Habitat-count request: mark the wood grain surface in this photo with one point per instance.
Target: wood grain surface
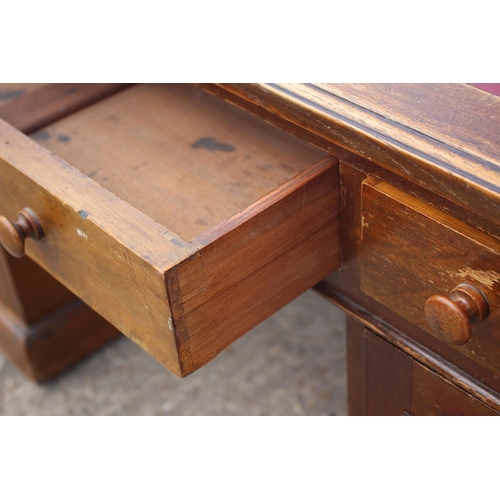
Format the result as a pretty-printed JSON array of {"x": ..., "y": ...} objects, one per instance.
[
  {"x": 441, "y": 137},
  {"x": 432, "y": 395},
  {"x": 46, "y": 348},
  {"x": 263, "y": 222},
  {"x": 35, "y": 292},
  {"x": 388, "y": 382},
  {"x": 343, "y": 288},
  {"x": 11, "y": 91},
  {"x": 356, "y": 337},
  {"x": 44, "y": 328},
  {"x": 411, "y": 251},
  {"x": 182, "y": 157},
  {"x": 256, "y": 262},
  {"x": 102, "y": 249},
  {"x": 29, "y": 107}
]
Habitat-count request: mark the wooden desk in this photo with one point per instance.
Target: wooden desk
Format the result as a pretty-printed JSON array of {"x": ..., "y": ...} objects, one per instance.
[{"x": 418, "y": 179}]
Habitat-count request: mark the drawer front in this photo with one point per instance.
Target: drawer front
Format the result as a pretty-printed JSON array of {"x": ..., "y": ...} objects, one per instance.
[
  {"x": 102, "y": 249},
  {"x": 411, "y": 251},
  {"x": 181, "y": 301}
]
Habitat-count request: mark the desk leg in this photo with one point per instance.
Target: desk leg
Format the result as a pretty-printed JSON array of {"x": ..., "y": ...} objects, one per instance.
[
  {"x": 44, "y": 328},
  {"x": 383, "y": 380},
  {"x": 378, "y": 374},
  {"x": 356, "y": 367}
]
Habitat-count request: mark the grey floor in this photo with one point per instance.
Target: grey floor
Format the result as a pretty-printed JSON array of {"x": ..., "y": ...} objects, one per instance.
[{"x": 292, "y": 364}]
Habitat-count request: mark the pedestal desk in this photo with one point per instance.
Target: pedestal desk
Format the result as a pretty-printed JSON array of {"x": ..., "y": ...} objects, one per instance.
[{"x": 184, "y": 215}]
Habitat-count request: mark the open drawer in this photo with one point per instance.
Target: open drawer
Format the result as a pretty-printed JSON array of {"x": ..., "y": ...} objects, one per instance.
[{"x": 181, "y": 219}]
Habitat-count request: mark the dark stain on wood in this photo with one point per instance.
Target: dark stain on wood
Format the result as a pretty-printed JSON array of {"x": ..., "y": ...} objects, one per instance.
[
  {"x": 212, "y": 145},
  {"x": 63, "y": 138},
  {"x": 40, "y": 135},
  {"x": 286, "y": 167},
  {"x": 201, "y": 222},
  {"x": 83, "y": 214},
  {"x": 178, "y": 243},
  {"x": 7, "y": 95},
  {"x": 137, "y": 167},
  {"x": 36, "y": 109},
  {"x": 70, "y": 91}
]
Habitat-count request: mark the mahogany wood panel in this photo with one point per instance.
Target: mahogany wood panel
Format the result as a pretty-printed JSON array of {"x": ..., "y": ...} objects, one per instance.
[
  {"x": 382, "y": 374},
  {"x": 388, "y": 378},
  {"x": 343, "y": 288},
  {"x": 386, "y": 381},
  {"x": 446, "y": 112},
  {"x": 411, "y": 251},
  {"x": 356, "y": 338},
  {"x": 421, "y": 146},
  {"x": 179, "y": 155},
  {"x": 350, "y": 217},
  {"x": 432, "y": 395},
  {"x": 31, "y": 108},
  {"x": 484, "y": 222}
]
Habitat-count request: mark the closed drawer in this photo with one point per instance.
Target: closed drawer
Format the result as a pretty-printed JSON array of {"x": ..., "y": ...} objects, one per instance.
[
  {"x": 411, "y": 252},
  {"x": 179, "y": 218}
]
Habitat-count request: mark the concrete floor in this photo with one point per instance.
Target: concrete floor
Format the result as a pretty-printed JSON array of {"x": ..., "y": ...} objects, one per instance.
[{"x": 292, "y": 364}]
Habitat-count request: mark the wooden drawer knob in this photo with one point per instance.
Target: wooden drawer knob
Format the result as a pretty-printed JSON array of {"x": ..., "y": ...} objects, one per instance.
[
  {"x": 450, "y": 317},
  {"x": 13, "y": 234}
]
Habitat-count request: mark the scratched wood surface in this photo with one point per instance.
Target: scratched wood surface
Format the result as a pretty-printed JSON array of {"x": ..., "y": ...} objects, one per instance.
[
  {"x": 179, "y": 155},
  {"x": 106, "y": 252},
  {"x": 343, "y": 288},
  {"x": 44, "y": 328},
  {"x": 410, "y": 251},
  {"x": 441, "y": 137},
  {"x": 460, "y": 111}
]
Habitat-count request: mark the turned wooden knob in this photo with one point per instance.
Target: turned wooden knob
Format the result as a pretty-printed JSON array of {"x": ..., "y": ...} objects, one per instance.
[
  {"x": 450, "y": 317},
  {"x": 13, "y": 234}
]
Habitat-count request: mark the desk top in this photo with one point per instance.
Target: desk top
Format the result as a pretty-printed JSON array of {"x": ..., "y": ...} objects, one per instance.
[{"x": 444, "y": 137}]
